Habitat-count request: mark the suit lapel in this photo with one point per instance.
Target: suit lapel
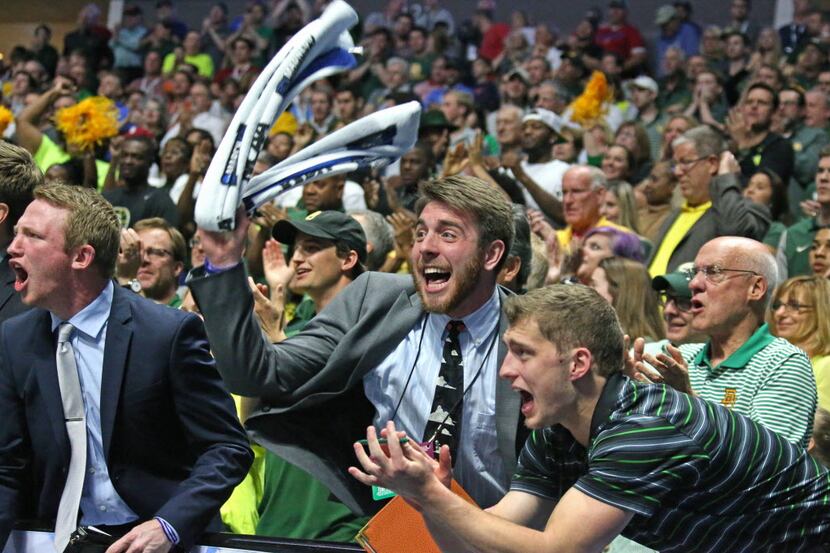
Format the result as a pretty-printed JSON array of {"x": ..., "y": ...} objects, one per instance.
[
  {"x": 116, "y": 348},
  {"x": 6, "y": 282},
  {"x": 394, "y": 327},
  {"x": 664, "y": 230},
  {"x": 46, "y": 372}
]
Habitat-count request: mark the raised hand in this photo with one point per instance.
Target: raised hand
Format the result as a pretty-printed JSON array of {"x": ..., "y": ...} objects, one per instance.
[
  {"x": 278, "y": 273},
  {"x": 129, "y": 256}
]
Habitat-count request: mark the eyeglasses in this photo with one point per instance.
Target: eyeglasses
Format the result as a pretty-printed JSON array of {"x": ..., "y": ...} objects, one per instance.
[
  {"x": 682, "y": 304},
  {"x": 790, "y": 306},
  {"x": 715, "y": 273},
  {"x": 156, "y": 253},
  {"x": 685, "y": 165}
]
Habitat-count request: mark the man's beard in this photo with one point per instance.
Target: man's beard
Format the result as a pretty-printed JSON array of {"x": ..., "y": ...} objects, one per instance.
[
  {"x": 159, "y": 290},
  {"x": 466, "y": 279},
  {"x": 761, "y": 127}
]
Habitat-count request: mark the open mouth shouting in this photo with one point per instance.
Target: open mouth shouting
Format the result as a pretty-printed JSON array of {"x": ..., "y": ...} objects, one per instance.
[
  {"x": 21, "y": 276},
  {"x": 436, "y": 279},
  {"x": 527, "y": 402}
]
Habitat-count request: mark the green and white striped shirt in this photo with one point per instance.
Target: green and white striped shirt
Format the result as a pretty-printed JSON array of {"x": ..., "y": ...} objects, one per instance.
[
  {"x": 696, "y": 475},
  {"x": 767, "y": 379}
]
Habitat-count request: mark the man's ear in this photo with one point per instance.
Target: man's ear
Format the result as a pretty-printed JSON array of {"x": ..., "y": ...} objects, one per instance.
[
  {"x": 83, "y": 257},
  {"x": 714, "y": 164},
  {"x": 493, "y": 254},
  {"x": 758, "y": 289},
  {"x": 4, "y": 212},
  {"x": 178, "y": 267},
  {"x": 348, "y": 263},
  {"x": 581, "y": 361},
  {"x": 510, "y": 269}
]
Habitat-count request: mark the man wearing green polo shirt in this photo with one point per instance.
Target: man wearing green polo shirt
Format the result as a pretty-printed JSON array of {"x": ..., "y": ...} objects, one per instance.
[
  {"x": 610, "y": 456},
  {"x": 742, "y": 366}
]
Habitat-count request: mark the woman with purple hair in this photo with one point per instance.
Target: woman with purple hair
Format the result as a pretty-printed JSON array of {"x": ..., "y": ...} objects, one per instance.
[{"x": 602, "y": 242}]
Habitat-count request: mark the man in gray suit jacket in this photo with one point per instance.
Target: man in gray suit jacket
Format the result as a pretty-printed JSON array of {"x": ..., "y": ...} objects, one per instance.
[
  {"x": 18, "y": 177},
  {"x": 381, "y": 339},
  {"x": 714, "y": 205}
]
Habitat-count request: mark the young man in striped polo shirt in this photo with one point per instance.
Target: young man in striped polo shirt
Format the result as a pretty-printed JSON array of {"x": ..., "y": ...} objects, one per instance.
[
  {"x": 611, "y": 456},
  {"x": 742, "y": 366}
]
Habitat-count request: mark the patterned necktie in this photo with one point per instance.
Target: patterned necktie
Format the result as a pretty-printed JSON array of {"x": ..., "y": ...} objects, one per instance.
[
  {"x": 447, "y": 409},
  {"x": 73, "y": 412}
]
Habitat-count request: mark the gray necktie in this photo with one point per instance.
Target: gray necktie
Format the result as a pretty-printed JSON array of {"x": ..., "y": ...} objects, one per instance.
[{"x": 73, "y": 412}]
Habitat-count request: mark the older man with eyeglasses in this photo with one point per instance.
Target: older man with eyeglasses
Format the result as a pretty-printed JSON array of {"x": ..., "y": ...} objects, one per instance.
[
  {"x": 741, "y": 365},
  {"x": 707, "y": 175}
]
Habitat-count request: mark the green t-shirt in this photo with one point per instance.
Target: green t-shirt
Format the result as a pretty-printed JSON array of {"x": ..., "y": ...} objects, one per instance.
[
  {"x": 49, "y": 154},
  {"x": 294, "y": 504},
  {"x": 202, "y": 62}
]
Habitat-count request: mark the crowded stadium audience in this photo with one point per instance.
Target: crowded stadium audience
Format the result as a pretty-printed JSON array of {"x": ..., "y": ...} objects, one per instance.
[{"x": 686, "y": 179}]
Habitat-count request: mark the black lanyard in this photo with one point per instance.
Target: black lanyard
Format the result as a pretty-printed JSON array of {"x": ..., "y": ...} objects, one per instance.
[{"x": 493, "y": 337}]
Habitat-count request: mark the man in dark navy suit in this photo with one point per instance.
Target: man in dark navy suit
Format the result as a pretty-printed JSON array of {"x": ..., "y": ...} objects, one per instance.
[
  {"x": 18, "y": 177},
  {"x": 161, "y": 447}
]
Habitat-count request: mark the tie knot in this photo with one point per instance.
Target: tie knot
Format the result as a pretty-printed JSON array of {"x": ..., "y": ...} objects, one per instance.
[
  {"x": 64, "y": 332},
  {"x": 455, "y": 327}
]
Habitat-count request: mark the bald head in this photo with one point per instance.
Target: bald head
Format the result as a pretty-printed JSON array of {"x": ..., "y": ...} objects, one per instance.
[{"x": 750, "y": 255}]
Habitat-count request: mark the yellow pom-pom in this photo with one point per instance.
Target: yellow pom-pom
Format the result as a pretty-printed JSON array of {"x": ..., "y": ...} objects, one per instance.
[
  {"x": 6, "y": 117},
  {"x": 286, "y": 123},
  {"x": 591, "y": 104},
  {"x": 88, "y": 122}
]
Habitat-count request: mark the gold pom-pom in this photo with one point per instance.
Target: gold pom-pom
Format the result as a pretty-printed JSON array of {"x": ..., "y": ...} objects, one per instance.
[
  {"x": 6, "y": 117},
  {"x": 89, "y": 122},
  {"x": 286, "y": 123},
  {"x": 590, "y": 106}
]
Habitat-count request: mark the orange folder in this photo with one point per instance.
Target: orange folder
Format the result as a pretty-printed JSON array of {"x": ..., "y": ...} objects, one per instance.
[{"x": 398, "y": 528}]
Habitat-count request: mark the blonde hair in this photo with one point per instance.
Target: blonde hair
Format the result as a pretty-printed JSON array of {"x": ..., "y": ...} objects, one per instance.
[
  {"x": 91, "y": 220},
  {"x": 635, "y": 300},
  {"x": 176, "y": 238},
  {"x": 627, "y": 202},
  {"x": 572, "y": 316},
  {"x": 813, "y": 336}
]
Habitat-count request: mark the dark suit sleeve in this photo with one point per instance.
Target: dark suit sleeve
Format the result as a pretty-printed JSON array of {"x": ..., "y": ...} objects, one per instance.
[
  {"x": 279, "y": 373},
  {"x": 206, "y": 411},
  {"x": 734, "y": 214},
  {"x": 15, "y": 450}
]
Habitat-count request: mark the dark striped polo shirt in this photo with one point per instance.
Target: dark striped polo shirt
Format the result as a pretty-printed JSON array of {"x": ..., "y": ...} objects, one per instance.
[{"x": 696, "y": 475}]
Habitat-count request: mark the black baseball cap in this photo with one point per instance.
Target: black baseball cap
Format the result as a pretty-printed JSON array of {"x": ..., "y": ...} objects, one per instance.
[{"x": 328, "y": 225}]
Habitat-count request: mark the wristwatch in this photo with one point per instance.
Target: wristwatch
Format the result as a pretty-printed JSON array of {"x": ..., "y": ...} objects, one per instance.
[{"x": 134, "y": 285}]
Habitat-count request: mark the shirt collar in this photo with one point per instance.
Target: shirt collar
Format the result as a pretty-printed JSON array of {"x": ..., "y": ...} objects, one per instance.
[
  {"x": 686, "y": 208},
  {"x": 479, "y": 323},
  {"x": 92, "y": 318},
  {"x": 607, "y": 402},
  {"x": 741, "y": 357}
]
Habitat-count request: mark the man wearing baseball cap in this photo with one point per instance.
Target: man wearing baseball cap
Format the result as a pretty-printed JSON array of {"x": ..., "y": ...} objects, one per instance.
[
  {"x": 676, "y": 298},
  {"x": 620, "y": 37},
  {"x": 674, "y": 33},
  {"x": 539, "y": 173},
  {"x": 329, "y": 250},
  {"x": 644, "y": 92}
]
